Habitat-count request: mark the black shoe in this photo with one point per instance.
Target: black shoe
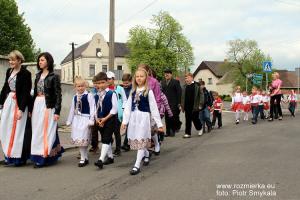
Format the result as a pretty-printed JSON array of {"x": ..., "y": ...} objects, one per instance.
[
  {"x": 117, "y": 153},
  {"x": 36, "y": 166},
  {"x": 126, "y": 148},
  {"x": 254, "y": 122},
  {"x": 134, "y": 171},
  {"x": 99, "y": 164},
  {"x": 156, "y": 153},
  {"x": 83, "y": 164},
  {"x": 108, "y": 161}
]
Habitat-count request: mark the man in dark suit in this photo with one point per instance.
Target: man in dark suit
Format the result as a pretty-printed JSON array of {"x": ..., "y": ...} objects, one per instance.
[{"x": 171, "y": 88}]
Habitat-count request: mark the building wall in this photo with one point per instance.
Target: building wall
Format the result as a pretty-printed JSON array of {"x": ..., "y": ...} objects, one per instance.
[
  {"x": 88, "y": 58},
  {"x": 205, "y": 75},
  {"x": 4, "y": 65},
  {"x": 225, "y": 89}
]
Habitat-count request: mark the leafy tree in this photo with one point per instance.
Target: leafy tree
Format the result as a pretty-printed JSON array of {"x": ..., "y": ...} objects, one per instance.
[
  {"x": 14, "y": 32},
  {"x": 245, "y": 58},
  {"x": 163, "y": 46}
]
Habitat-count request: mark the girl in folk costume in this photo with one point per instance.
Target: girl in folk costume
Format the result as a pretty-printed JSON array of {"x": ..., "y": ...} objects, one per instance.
[
  {"x": 45, "y": 145},
  {"x": 237, "y": 105},
  {"x": 81, "y": 116},
  {"x": 14, "y": 100},
  {"x": 139, "y": 109},
  {"x": 246, "y": 105},
  {"x": 255, "y": 99},
  {"x": 292, "y": 99}
]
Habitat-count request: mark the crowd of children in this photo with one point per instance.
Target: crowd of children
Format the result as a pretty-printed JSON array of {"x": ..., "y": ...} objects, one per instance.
[{"x": 135, "y": 109}]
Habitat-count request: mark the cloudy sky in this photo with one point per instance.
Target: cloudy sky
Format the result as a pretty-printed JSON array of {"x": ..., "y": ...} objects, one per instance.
[{"x": 209, "y": 25}]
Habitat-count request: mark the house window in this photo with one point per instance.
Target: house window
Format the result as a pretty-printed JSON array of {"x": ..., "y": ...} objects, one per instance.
[
  {"x": 104, "y": 68},
  {"x": 210, "y": 82},
  {"x": 119, "y": 67},
  {"x": 92, "y": 70}
]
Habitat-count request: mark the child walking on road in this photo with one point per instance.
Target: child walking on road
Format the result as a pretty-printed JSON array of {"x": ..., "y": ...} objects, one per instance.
[{"x": 140, "y": 108}]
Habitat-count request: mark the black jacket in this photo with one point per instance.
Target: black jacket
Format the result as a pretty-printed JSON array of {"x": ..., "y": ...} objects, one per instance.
[
  {"x": 208, "y": 98},
  {"x": 173, "y": 92},
  {"x": 52, "y": 91},
  {"x": 23, "y": 88}
]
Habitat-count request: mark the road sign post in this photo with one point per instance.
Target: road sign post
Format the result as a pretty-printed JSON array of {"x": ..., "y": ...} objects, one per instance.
[{"x": 267, "y": 68}]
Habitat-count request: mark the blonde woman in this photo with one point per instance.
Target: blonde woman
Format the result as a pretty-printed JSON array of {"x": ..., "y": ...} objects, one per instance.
[
  {"x": 276, "y": 95},
  {"x": 15, "y": 100}
]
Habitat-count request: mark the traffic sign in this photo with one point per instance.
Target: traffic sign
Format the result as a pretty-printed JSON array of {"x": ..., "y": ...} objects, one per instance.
[
  {"x": 267, "y": 66},
  {"x": 258, "y": 76}
]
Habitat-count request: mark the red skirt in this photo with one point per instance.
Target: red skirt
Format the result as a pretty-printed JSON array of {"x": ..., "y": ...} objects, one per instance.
[
  {"x": 247, "y": 107},
  {"x": 237, "y": 106},
  {"x": 266, "y": 106}
]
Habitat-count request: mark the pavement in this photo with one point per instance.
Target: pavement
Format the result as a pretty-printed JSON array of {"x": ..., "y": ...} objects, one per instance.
[{"x": 235, "y": 162}]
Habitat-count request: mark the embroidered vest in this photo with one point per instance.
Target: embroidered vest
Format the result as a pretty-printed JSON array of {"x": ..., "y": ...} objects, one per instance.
[
  {"x": 103, "y": 111},
  {"x": 142, "y": 104},
  {"x": 84, "y": 108}
]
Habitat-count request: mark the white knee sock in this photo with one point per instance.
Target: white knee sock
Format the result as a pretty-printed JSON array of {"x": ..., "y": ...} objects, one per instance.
[
  {"x": 104, "y": 151},
  {"x": 156, "y": 143},
  {"x": 139, "y": 157},
  {"x": 86, "y": 153},
  {"x": 109, "y": 153},
  {"x": 237, "y": 115},
  {"x": 81, "y": 150},
  {"x": 146, "y": 155}
]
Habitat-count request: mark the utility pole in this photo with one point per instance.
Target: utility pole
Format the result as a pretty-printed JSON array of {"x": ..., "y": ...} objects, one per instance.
[
  {"x": 73, "y": 61},
  {"x": 112, "y": 35}
]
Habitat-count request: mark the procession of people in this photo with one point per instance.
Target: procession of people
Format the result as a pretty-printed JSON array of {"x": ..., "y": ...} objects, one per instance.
[{"x": 135, "y": 109}]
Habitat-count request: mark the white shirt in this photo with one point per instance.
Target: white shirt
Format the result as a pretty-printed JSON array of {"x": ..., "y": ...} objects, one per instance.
[
  {"x": 246, "y": 100},
  {"x": 255, "y": 98},
  {"x": 114, "y": 109},
  {"x": 266, "y": 99},
  {"x": 237, "y": 98},
  {"x": 292, "y": 97}
]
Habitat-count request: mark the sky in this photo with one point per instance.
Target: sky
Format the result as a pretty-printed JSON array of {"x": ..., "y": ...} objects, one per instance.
[{"x": 208, "y": 25}]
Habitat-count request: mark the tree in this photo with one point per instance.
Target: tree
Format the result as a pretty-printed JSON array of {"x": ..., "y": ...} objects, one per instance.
[
  {"x": 245, "y": 58},
  {"x": 14, "y": 32},
  {"x": 161, "y": 47}
]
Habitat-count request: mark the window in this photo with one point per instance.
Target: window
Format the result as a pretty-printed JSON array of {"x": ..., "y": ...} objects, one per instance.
[
  {"x": 210, "y": 82},
  {"x": 119, "y": 67},
  {"x": 92, "y": 70},
  {"x": 104, "y": 68}
]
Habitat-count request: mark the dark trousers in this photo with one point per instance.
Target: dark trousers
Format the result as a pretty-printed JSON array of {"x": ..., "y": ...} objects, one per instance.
[
  {"x": 95, "y": 137},
  {"x": 117, "y": 134},
  {"x": 125, "y": 143},
  {"x": 189, "y": 118},
  {"x": 170, "y": 125},
  {"x": 292, "y": 107},
  {"x": 217, "y": 114},
  {"x": 107, "y": 130},
  {"x": 255, "y": 111},
  {"x": 277, "y": 105},
  {"x": 261, "y": 111}
]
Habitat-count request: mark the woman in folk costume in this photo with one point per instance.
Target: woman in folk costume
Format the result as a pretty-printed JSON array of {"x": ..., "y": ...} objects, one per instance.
[
  {"x": 45, "y": 145},
  {"x": 14, "y": 100},
  {"x": 237, "y": 104},
  {"x": 139, "y": 109},
  {"x": 82, "y": 117}
]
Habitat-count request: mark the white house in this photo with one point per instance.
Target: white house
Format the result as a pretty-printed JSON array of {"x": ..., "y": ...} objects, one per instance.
[
  {"x": 92, "y": 58},
  {"x": 213, "y": 74}
]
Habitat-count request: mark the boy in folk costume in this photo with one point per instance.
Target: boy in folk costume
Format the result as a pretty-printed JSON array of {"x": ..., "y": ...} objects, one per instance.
[
  {"x": 292, "y": 99},
  {"x": 236, "y": 104},
  {"x": 261, "y": 104},
  {"x": 106, "y": 114},
  {"x": 14, "y": 102},
  {"x": 121, "y": 97},
  {"x": 217, "y": 110},
  {"x": 81, "y": 117},
  {"x": 246, "y": 105},
  {"x": 255, "y": 100},
  {"x": 266, "y": 101},
  {"x": 140, "y": 108}
]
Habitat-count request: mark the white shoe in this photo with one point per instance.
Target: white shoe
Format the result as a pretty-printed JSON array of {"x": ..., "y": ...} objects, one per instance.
[
  {"x": 200, "y": 132},
  {"x": 237, "y": 121},
  {"x": 186, "y": 136}
]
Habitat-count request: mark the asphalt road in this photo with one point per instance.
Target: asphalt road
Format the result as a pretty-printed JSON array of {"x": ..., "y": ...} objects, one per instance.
[{"x": 236, "y": 162}]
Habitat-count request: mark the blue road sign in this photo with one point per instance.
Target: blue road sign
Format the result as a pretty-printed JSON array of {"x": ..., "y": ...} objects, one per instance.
[{"x": 267, "y": 66}]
